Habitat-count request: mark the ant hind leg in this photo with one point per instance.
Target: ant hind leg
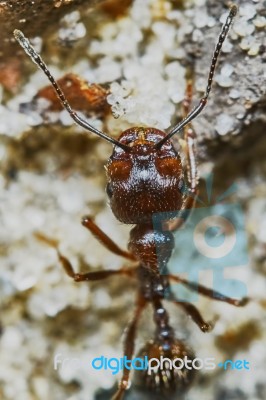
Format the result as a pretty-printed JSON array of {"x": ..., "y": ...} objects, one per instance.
[
  {"x": 129, "y": 346},
  {"x": 194, "y": 314},
  {"x": 207, "y": 292}
]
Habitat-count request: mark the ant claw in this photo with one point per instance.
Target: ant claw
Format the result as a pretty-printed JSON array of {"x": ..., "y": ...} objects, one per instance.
[
  {"x": 242, "y": 302},
  {"x": 207, "y": 327},
  {"x": 85, "y": 219},
  {"x": 77, "y": 278}
]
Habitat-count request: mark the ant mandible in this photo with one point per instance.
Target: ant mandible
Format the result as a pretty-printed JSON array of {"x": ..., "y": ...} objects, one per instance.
[{"x": 144, "y": 177}]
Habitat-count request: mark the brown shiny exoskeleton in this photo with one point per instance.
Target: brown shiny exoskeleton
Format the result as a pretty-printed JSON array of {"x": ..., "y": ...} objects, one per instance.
[{"x": 145, "y": 177}]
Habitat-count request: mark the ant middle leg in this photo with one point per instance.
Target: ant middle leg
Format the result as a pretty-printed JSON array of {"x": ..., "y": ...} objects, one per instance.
[
  {"x": 129, "y": 347},
  {"x": 104, "y": 239},
  {"x": 89, "y": 276}
]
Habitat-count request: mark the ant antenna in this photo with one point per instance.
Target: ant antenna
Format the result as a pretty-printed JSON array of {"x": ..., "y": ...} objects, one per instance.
[
  {"x": 36, "y": 58},
  {"x": 197, "y": 110}
]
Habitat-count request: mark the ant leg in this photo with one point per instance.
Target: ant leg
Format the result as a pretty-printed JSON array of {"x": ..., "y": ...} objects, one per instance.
[
  {"x": 209, "y": 292},
  {"x": 88, "y": 222},
  {"x": 89, "y": 276},
  {"x": 192, "y": 179},
  {"x": 194, "y": 314},
  {"x": 129, "y": 345},
  {"x": 190, "y": 136}
]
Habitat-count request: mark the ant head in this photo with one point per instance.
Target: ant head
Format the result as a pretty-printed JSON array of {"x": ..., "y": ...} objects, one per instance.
[
  {"x": 144, "y": 171},
  {"x": 147, "y": 179},
  {"x": 163, "y": 377},
  {"x": 142, "y": 140}
]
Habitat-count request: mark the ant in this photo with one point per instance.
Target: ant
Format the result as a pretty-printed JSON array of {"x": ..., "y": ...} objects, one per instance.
[{"x": 145, "y": 176}]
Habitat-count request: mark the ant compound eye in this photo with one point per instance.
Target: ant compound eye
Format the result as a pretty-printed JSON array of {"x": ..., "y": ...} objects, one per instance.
[{"x": 109, "y": 190}]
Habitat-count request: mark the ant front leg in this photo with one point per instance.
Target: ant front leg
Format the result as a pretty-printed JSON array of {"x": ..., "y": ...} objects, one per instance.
[
  {"x": 88, "y": 222},
  {"x": 189, "y": 137},
  {"x": 129, "y": 346},
  {"x": 190, "y": 150},
  {"x": 89, "y": 276},
  {"x": 191, "y": 170}
]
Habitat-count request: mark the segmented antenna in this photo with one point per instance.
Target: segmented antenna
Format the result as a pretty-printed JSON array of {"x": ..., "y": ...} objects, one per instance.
[
  {"x": 203, "y": 101},
  {"x": 36, "y": 58}
]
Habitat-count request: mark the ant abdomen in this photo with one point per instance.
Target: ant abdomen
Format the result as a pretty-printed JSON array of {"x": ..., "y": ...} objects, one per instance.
[{"x": 167, "y": 373}]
